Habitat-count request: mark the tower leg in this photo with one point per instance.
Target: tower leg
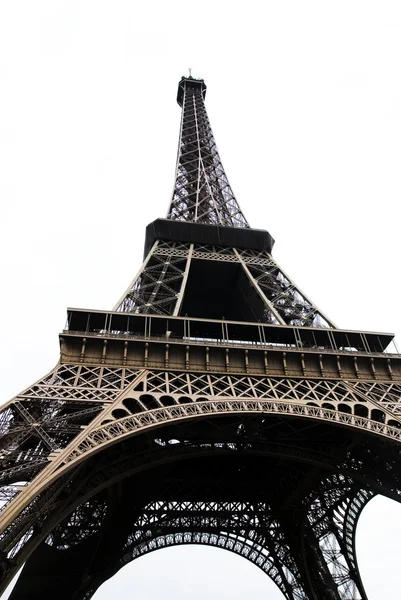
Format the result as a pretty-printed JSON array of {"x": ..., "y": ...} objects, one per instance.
[{"x": 318, "y": 580}]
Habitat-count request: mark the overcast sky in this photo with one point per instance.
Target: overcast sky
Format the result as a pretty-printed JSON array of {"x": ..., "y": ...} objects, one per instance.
[{"x": 304, "y": 100}]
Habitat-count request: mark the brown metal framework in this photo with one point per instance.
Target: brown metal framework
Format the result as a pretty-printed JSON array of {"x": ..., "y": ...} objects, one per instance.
[{"x": 216, "y": 405}]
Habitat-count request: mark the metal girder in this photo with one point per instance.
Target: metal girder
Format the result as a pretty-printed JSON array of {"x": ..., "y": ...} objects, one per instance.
[
  {"x": 201, "y": 193},
  {"x": 159, "y": 286}
]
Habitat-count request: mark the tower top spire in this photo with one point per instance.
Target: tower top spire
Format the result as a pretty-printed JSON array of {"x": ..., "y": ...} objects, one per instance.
[
  {"x": 202, "y": 193},
  {"x": 190, "y": 83}
]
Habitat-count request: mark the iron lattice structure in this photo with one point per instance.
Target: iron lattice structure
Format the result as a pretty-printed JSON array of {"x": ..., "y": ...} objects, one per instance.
[
  {"x": 215, "y": 404},
  {"x": 202, "y": 193}
]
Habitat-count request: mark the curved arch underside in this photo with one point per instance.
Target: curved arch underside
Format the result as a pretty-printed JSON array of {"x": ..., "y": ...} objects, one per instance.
[
  {"x": 299, "y": 433},
  {"x": 286, "y": 492},
  {"x": 154, "y": 399}
]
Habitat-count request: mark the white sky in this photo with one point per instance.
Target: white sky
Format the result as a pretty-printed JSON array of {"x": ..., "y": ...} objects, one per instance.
[{"x": 304, "y": 100}]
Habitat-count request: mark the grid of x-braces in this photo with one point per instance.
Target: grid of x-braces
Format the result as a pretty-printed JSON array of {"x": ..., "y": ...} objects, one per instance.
[
  {"x": 202, "y": 193},
  {"x": 159, "y": 286},
  {"x": 47, "y": 416}
]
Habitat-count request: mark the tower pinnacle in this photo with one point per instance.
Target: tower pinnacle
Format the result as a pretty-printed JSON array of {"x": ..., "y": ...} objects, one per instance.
[{"x": 202, "y": 193}]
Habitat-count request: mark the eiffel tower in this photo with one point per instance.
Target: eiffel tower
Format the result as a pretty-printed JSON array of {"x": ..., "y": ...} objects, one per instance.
[{"x": 215, "y": 404}]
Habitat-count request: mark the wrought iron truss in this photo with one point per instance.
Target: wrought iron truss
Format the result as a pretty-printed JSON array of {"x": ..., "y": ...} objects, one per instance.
[
  {"x": 100, "y": 406},
  {"x": 252, "y": 529},
  {"x": 216, "y": 405},
  {"x": 159, "y": 287},
  {"x": 201, "y": 193}
]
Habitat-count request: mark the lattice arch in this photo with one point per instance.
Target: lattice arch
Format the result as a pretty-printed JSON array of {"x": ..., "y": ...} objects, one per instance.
[
  {"x": 166, "y": 408},
  {"x": 261, "y": 559},
  {"x": 115, "y": 429},
  {"x": 234, "y": 544},
  {"x": 263, "y": 545}
]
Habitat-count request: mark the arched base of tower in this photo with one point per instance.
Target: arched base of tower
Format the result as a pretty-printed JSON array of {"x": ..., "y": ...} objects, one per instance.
[{"x": 252, "y": 486}]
